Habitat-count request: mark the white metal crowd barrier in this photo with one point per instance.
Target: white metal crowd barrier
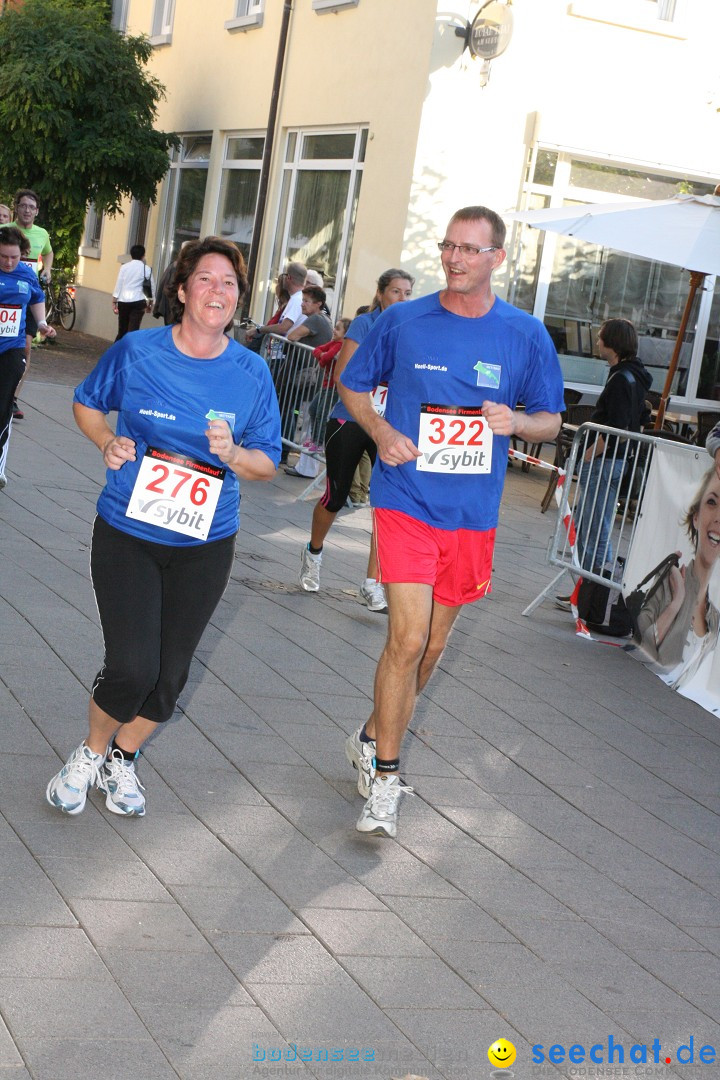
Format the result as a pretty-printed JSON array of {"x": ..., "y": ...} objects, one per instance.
[{"x": 599, "y": 505}]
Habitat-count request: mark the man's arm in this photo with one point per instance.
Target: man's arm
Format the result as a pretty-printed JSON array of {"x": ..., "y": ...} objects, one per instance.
[
  {"x": 47, "y": 262},
  {"x": 299, "y": 333},
  {"x": 393, "y": 447},
  {"x": 530, "y": 427}
]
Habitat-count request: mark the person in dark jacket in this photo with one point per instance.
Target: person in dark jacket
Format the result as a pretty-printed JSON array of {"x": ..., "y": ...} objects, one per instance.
[{"x": 620, "y": 405}]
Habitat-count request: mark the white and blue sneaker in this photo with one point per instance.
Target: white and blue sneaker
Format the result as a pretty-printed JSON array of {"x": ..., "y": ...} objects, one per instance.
[
  {"x": 67, "y": 791},
  {"x": 380, "y": 813},
  {"x": 361, "y": 756},
  {"x": 119, "y": 781}
]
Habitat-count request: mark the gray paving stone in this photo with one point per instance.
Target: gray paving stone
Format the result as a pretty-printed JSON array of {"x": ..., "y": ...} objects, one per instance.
[
  {"x": 170, "y": 978},
  {"x": 40, "y": 1008},
  {"x": 409, "y": 981},
  {"x": 277, "y": 958},
  {"x": 358, "y": 933},
  {"x": 140, "y": 926},
  {"x": 27, "y": 898},
  {"x": 84, "y": 1059},
  {"x": 235, "y": 911},
  {"x": 437, "y": 919},
  {"x": 76, "y": 876}
]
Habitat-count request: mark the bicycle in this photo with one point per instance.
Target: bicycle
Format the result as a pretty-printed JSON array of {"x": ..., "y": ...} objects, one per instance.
[{"x": 59, "y": 303}]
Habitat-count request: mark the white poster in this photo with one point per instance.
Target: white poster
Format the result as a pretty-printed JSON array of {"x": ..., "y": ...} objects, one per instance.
[{"x": 679, "y": 618}]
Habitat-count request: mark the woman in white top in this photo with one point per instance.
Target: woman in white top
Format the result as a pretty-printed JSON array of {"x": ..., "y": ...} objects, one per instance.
[{"x": 132, "y": 298}]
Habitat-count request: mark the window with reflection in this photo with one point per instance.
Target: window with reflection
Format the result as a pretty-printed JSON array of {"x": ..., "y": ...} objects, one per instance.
[
  {"x": 573, "y": 286},
  {"x": 239, "y": 189}
]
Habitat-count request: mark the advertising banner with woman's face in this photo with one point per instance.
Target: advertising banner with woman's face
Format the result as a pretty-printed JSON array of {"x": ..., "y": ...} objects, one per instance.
[{"x": 679, "y": 618}]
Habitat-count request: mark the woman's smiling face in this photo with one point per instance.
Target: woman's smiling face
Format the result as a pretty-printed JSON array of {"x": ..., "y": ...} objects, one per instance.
[
  {"x": 211, "y": 293},
  {"x": 707, "y": 522}
]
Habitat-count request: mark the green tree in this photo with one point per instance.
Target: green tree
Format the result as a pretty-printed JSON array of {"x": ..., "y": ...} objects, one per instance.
[{"x": 77, "y": 108}]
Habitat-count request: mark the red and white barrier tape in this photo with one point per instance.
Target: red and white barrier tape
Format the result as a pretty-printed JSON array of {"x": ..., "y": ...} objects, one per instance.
[{"x": 580, "y": 628}]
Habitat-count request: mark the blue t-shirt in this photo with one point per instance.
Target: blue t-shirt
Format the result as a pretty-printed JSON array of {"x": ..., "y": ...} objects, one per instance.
[
  {"x": 357, "y": 331},
  {"x": 430, "y": 356},
  {"x": 163, "y": 398},
  {"x": 18, "y": 288}
]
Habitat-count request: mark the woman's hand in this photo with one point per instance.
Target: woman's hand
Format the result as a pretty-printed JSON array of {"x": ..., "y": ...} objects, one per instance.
[
  {"x": 117, "y": 450},
  {"x": 677, "y": 585},
  {"x": 667, "y": 617},
  {"x": 221, "y": 441}
]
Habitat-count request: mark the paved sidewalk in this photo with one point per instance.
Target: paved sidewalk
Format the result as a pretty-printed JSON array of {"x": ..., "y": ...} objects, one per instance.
[{"x": 555, "y": 878}]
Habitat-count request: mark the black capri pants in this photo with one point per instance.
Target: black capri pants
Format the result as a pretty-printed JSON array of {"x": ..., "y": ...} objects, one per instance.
[
  {"x": 345, "y": 443},
  {"x": 154, "y": 603}
]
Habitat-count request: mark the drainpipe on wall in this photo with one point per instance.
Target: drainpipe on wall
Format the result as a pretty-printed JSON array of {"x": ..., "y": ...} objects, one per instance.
[{"x": 267, "y": 155}]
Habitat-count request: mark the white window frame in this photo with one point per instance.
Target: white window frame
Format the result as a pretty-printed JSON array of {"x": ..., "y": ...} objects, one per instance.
[
  {"x": 177, "y": 161},
  {"x": 560, "y": 191},
  {"x": 162, "y": 22},
  {"x": 237, "y": 164},
  {"x": 120, "y": 15},
  {"x": 291, "y": 170},
  {"x": 91, "y": 247},
  {"x": 323, "y": 7},
  {"x": 648, "y": 16},
  {"x": 249, "y": 15}
]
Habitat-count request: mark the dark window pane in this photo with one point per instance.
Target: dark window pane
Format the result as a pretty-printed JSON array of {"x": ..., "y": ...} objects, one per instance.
[
  {"x": 545, "y": 167},
  {"x": 317, "y": 147},
  {"x": 244, "y": 148}
]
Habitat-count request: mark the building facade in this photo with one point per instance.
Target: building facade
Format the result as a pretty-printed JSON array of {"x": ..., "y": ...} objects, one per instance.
[{"x": 386, "y": 124}]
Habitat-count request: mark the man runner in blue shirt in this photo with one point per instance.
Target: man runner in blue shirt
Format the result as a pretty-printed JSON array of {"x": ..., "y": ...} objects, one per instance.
[{"x": 456, "y": 364}]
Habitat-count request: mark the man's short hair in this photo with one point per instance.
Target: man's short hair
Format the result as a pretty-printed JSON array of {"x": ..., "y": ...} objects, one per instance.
[
  {"x": 314, "y": 292},
  {"x": 137, "y": 251},
  {"x": 297, "y": 272},
  {"x": 10, "y": 236},
  {"x": 26, "y": 193},
  {"x": 483, "y": 213}
]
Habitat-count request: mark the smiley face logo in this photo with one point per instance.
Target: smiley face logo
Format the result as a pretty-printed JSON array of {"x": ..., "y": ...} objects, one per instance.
[{"x": 502, "y": 1053}]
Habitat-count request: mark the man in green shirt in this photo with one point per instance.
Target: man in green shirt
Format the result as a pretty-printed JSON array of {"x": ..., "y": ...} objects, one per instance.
[{"x": 27, "y": 206}]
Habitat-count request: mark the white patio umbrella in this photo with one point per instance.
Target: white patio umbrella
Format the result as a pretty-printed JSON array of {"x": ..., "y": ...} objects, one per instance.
[{"x": 683, "y": 231}]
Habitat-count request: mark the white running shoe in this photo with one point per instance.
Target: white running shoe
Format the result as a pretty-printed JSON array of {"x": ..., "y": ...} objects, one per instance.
[
  {"x": 310, "y": 570},
  {"x": 120, "y": 783},
  {"x": 361, "y": 756},
  {"x": 67, "y": 791},
  {"x": 373, "y": 594},
  {"x": 380, "y": 813}
]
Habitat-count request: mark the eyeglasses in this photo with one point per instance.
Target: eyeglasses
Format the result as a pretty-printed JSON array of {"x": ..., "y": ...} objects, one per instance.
[
  {"x": 26, "y": 206},
  {"x": 468, "y": 250}
]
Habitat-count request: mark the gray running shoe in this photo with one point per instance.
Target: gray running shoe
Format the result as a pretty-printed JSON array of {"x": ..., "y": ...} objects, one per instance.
[
  {"x": 374, "y": 595},
  {"x": 67, "y": 791},
  {"x": 380, "y": 812},
  {"x": 120, "y": 783},
  {"x": 310, "y": 570},
  {"x": 361, "y": 756}
]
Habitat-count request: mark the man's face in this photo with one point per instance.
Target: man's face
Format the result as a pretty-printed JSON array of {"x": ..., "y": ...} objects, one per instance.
[
  {"x": 26, "y": 211},
  {"x": 9, "y": 257},
  {"x": 309, "y": 305},
  {"x": 469, "y": 274},
  {"x": 4, "y": 215}
]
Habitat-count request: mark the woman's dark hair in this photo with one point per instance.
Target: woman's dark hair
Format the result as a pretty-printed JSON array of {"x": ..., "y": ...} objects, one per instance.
[
  {"x": 688, "y": 521},
  {"x": 620, "y": 336},
  {"x": 12, "y": 237},
  {"x": 384, "y": 280},
  {"x": 137, "y": 251},
  {"x": 188, "y": 260},
  {"x": 314, "y": 292}
]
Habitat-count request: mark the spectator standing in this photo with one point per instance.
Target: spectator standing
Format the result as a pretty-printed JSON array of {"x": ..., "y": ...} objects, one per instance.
[
  {"x": 294, "y": 281},
  {"x": 133, "y": 292},
  {"x": 5, "y": 214},
  {"x": 40, "y": 256}
]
